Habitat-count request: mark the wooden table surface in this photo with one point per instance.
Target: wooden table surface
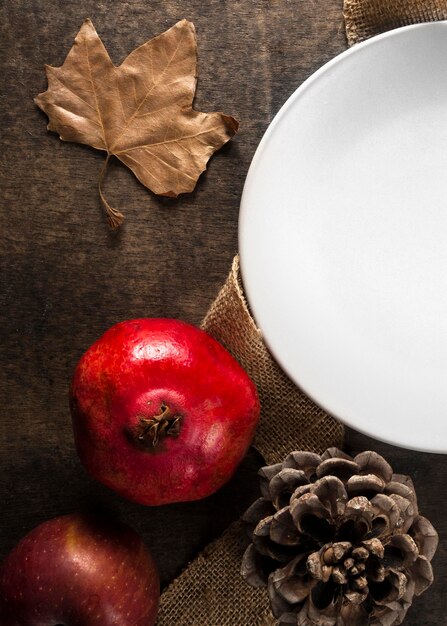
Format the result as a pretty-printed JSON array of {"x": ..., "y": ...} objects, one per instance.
[{"x": 65, "y": 278}]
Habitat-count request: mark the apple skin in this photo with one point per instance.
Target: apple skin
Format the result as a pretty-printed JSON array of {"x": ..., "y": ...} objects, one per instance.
[
  {"x": 76, "y": 570},
  {"x": 122, "y": 384}
]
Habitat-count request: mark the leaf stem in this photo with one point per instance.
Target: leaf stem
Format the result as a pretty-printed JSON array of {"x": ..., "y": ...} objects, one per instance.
[{"x": 114, "y": 217}]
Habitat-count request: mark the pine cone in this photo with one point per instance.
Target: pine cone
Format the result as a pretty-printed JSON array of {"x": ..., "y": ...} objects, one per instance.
[{"x": 338, "y": 541}]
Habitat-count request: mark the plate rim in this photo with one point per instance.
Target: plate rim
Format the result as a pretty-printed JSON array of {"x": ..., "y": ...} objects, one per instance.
[{"x": 258, "y": 154}]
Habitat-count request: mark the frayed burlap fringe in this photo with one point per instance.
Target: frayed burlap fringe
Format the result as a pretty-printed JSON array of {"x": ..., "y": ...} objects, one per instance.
[
  {"x": 366, "y": 18},
  {"x": 211, "y": 592}
]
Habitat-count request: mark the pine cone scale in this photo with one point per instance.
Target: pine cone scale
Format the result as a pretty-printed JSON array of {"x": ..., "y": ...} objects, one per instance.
[{"x": 341, "y": 540}]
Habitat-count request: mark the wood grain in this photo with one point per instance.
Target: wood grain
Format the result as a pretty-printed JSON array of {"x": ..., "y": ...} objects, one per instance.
[{"x": 65, "y": 278}]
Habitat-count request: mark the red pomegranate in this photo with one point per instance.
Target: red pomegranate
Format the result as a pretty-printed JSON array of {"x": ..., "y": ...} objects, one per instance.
[{"x": 161, "y": 411}]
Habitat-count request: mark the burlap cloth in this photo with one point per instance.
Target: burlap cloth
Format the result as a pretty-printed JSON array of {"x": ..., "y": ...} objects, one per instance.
[
  {"x": 365, "y": 18},
  {"x": 211, "y": 592}
]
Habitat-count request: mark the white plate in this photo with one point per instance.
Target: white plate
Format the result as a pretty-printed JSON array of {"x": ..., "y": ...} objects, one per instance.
[{"x": 343, "y": 237}]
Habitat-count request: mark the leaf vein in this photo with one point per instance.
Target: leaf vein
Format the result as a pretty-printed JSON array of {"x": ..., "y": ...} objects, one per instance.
[
  {"x": 70, "y": 89},
  {"x": 161, "y": 143},
  {"x": 156, "y": 156},
  {"x": 144, "y": 168},
  {"x": 95, "y": 94},
  {"x": 149, "y": 92},
  {"x": 172, "y": 167},
  {"x": 120, "y": 98}
]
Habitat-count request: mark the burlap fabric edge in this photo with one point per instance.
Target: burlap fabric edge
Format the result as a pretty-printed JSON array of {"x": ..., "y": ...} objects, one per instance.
[{"x": 289, "y": 419}]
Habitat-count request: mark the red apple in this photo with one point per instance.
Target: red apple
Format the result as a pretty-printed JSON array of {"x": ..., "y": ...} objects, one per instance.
[
  {"x": 161, "y": 411},
  {"x": 77, "y": 571}
]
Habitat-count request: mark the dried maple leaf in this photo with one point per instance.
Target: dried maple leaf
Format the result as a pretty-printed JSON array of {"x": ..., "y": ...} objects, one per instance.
[{"x": 141, "y": 111}]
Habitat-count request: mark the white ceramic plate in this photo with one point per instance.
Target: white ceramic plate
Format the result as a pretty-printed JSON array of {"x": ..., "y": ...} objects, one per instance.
[{"x": 343, "y": 237}]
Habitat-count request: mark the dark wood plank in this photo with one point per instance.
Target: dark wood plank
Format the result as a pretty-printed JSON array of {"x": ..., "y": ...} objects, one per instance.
[{"x": 65, "y": 278}]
